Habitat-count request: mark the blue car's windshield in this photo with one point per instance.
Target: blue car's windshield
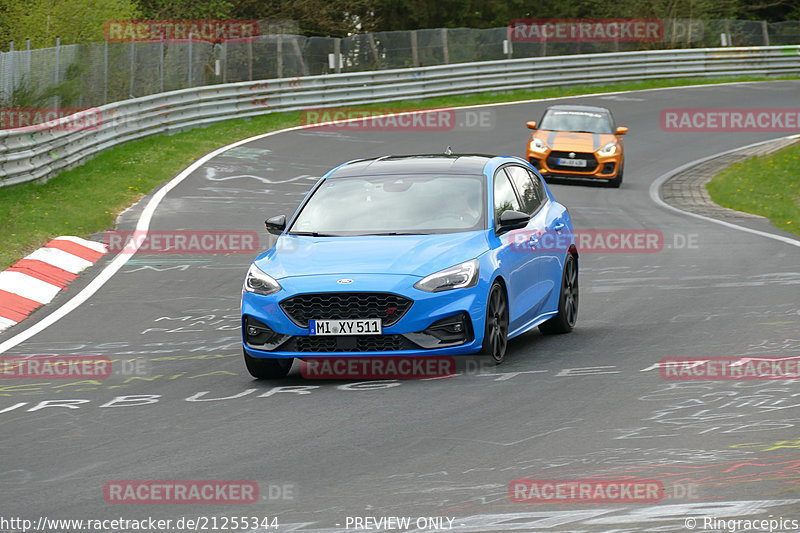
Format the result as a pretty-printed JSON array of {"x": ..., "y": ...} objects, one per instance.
[
  {"x": 586, "y": 121},
  {"x": 386, "y": 205}
]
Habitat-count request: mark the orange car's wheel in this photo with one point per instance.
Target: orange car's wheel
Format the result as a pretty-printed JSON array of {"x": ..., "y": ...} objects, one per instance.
[{"x": 616, "y": 181}]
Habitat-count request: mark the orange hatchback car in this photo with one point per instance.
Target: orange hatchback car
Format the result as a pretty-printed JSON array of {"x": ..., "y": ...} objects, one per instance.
[{"x": 578, "y": 142}]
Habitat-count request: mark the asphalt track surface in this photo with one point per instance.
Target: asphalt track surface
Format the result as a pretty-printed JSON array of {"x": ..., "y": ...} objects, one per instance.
[{"x": 574, "y": 406}]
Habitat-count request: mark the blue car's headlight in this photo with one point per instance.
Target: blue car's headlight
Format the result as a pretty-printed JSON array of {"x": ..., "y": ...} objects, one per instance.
[
  {"x": 259, "y": 282},
  {"x": 456, "y": 277}
]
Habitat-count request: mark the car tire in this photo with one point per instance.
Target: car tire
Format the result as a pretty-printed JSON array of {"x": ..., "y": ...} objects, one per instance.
[
  {"x": 495, "y": 336},
  {"x": 564, "y": 320},
  {"x": 616, "y": 181},
  {"x": 269, "y": 368}
]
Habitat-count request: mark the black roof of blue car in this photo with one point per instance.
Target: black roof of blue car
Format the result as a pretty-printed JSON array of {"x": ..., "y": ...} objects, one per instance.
[{"x": 416, "y": 164}]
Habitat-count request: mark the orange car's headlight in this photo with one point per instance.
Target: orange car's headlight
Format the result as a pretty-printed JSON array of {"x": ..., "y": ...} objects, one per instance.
[
  {"x": 609, "y": 149},
  {"x": 538, "y": 145}
]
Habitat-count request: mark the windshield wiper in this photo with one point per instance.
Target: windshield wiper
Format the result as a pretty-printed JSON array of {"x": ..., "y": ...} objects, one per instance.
[
  {"x": 313, "y": 234},
  {"x": 394, "y": 233}
]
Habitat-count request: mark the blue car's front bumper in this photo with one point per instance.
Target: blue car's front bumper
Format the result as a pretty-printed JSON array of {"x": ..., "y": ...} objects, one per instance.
[{"x": 411, "y": 335}]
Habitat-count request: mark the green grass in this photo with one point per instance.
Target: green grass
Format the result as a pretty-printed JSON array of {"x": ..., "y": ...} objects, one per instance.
[
  {"x": 86, "y": 199},
  {"x": 765, "y": 185}
]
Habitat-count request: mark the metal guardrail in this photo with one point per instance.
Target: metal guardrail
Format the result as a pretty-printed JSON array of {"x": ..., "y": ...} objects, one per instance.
[{"x": 38, "y": 154}]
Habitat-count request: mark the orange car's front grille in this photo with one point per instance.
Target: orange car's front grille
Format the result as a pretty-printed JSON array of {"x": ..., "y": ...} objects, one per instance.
[{"x": 553, "y": 164}]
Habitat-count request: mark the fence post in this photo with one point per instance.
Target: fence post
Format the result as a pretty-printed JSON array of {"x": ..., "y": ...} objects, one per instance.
[
  {"x": 765, "y": 32},
  {"x": 161, "y": 64},
  {"x": 250, "y": 59},
  {"x": 299, "y": 53},
  {"x": 58, "y": 68},
  {"x": 374, "y": 48},
  {"x": 445, "y": 50},
  {"x": 728, "y": 39},
  {"x": 279, "y": 53},
  {"x": 11, "y": 70},
  {"x": 190, "y": 59},
  {"x": 224, "y": 61},
  {"x": 132, "y": 67},
  {"x": 337, "y": 55},
  {"x": 105, "y": 72},
  {"x": 414, "y": 50}
]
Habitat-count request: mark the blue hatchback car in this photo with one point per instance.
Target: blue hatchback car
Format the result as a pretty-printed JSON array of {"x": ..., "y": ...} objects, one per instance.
[{"x": 426, "y": 255}]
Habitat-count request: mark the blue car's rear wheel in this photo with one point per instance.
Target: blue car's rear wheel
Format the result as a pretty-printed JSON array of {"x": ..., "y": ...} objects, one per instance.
[
  {"x": 267, "y": 368},
  {"x": 495, "y": 337},
  {"x": 564, "y": 321}
]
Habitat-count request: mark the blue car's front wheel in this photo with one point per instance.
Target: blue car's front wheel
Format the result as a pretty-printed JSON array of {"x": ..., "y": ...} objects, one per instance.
[
  {"x": 263, "y": 368},
  {"x": 495, "y": 338}
]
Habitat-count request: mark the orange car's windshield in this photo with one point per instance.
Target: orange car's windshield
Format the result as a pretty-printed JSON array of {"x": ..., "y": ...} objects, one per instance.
[{"x": 585, "y": 121}]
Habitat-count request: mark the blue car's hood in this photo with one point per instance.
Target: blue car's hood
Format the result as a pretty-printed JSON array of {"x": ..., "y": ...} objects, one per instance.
[{"x": 417, "y": 255}]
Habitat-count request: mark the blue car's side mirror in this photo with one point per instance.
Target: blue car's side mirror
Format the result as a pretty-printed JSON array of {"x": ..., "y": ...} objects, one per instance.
[
  {"x": 511, "y": 219},
  {"x": 276, "y": 224}
]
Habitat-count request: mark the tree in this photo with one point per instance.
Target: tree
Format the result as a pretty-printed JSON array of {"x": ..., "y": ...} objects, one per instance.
[{"x": 75, "y": 21}]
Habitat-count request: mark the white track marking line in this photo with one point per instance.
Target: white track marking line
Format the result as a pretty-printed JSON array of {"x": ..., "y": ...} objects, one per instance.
[
  {"x": 655, "y": 195},
  {"x": 144, "y": 220}
]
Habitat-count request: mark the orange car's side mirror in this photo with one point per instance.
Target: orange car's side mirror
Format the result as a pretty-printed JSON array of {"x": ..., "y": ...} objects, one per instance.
[
  {"x": 622, "y": 130},
  {"x": 531, "y": 124}
]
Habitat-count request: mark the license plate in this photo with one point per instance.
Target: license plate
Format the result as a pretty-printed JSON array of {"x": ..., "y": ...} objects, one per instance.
[
  {"x": 364, "y": 326},
  {"x": 571, "y": 162}
]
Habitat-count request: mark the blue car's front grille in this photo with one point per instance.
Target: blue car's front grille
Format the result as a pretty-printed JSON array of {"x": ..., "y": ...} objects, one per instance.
[
  {"x": 355, "y": 343},
  {"x": 346, "y": 305}
]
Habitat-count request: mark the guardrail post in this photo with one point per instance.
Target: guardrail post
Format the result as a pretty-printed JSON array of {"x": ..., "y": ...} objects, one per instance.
[
  {"x": 414, "y": 50},
  {"x": 445, "y": 51},
  {"x": 765, "y": 32}
]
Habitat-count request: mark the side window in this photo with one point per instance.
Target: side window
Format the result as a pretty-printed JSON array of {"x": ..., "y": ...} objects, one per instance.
[
  {"x": 504, "y": 197},
  {"x": 539, "y": 187},
  {"x": 529, "y": 192}
]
